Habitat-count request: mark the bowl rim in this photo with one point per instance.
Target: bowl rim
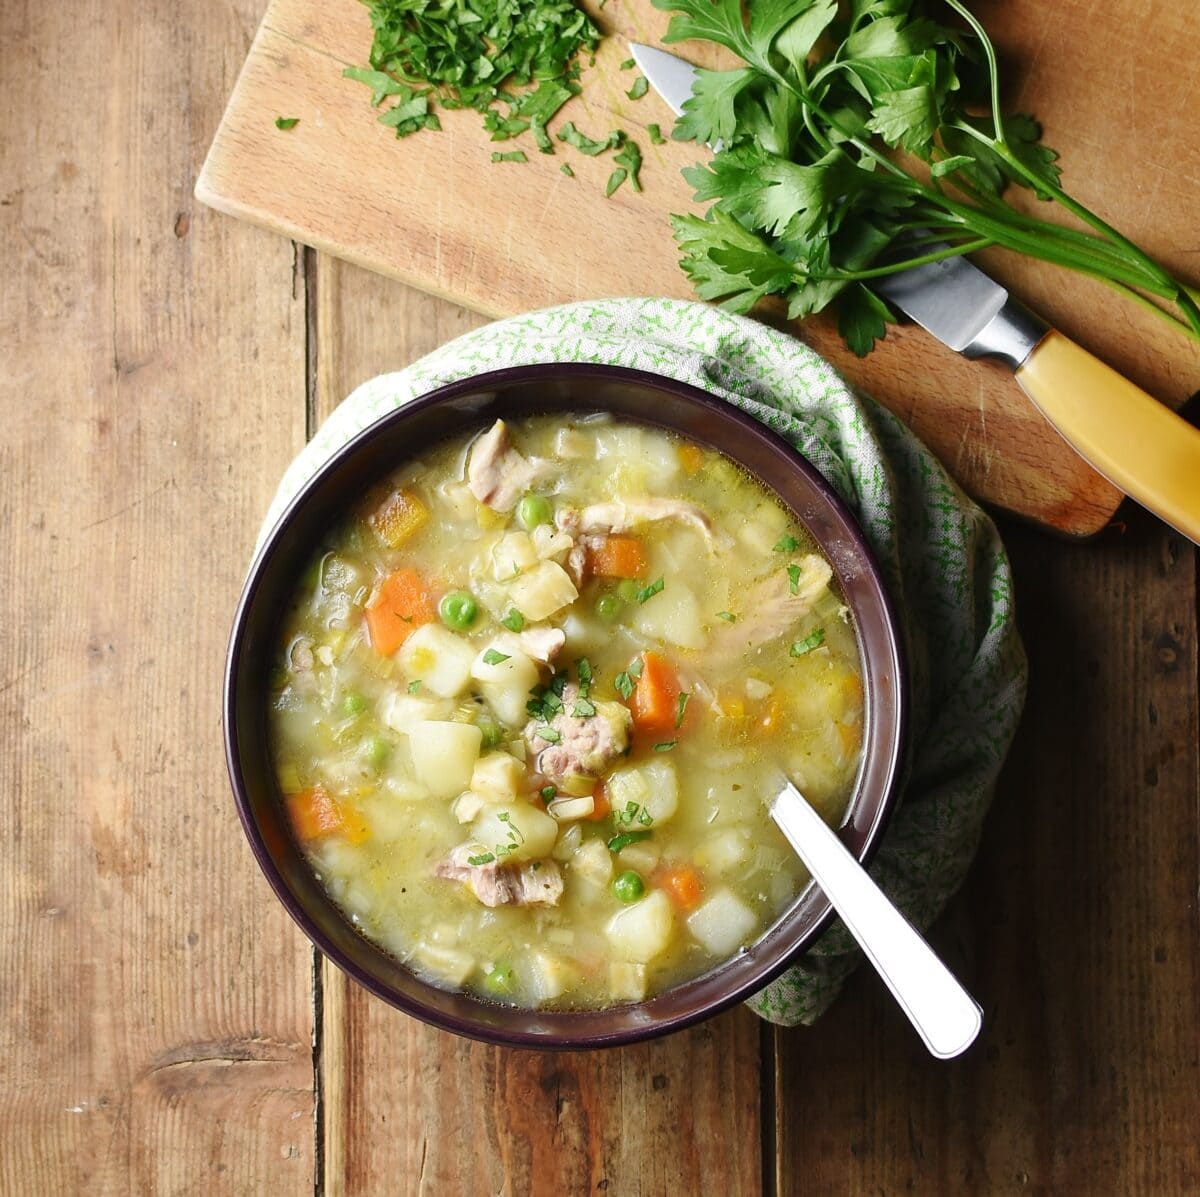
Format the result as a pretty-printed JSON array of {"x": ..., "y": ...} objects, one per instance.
[{"x": 268, "y": 545}]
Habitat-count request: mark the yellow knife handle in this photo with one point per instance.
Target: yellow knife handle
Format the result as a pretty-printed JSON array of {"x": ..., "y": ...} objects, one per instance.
[{"x": 1137, "y": 443}]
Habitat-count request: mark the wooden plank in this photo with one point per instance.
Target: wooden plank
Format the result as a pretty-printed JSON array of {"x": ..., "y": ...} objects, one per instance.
[
  {"x": 412, "y": 1110},
  {"x": 1078, "y": 929},
  {"x": 433, "y": 212},
  {"x": 155, "y": 997}
]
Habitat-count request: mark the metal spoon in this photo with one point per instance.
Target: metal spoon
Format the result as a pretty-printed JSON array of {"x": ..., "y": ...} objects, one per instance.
[{"x": 944, "y": 1014}]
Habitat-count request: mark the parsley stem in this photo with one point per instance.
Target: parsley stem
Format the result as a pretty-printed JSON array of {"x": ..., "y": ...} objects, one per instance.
[{"x": 947, "y": 251}]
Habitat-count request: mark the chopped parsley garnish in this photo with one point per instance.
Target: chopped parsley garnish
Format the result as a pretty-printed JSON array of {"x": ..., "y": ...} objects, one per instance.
[
  {"x": 639, "y": 88},
  {"x": 512, "y": 156},
  {"x": 585, "y": 675},
  {"x": 624, "y": 684},
  {"x": 681, "y": 707},
  {"x": 633, "y": 813},
  {"x": 566, "y": 170},
  {"x": 615, "y": 180},
  {"x": 549, "y": 734},
  {"x": 646, "y": 593},
  {"x": 482, "y": 859},
  {"x": 794, "y": 578},
  {"x": 583, "y": 708},
  {"x": 813, "y": 640},
  {"x": 514, "y": 620},
  {"x": 584, "y": 144},
  {"x": 626, "y": 838},
  {"x": 665, "y": 746},
  {"x": 492, "y": 657},
  {"x": 635, "y": 668},
  {"x": 630, "y": 160},
  {"x": 727, "y": 616},
  {"x": 414, "y": 687},
  {"x": 628, "y": 64},
  {"x": 286, "y": 122},
  {"x": 787, "y": 544},
  {"x": 655, "y": 135}
]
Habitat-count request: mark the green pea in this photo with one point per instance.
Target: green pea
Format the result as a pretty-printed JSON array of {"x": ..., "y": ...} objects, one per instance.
[
  {"x": 608, "y": 607},
  {"x": 499, "y": 980},
  {"x": 628, "y": 589},
  {"x": 375, "y": 752},
  {"x": 628, "y": 886},
  {"x": 493, "y": 733},
  {"x": 533, "y": 510},
  {"x": 353, "y": 705},
  {"x": 458, "y": 610}
]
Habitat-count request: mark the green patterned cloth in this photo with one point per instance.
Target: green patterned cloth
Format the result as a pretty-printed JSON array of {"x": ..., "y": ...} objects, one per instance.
[{"x": 942, "y": 558}]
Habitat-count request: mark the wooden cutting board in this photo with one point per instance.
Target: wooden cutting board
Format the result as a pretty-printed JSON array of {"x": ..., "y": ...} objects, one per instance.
[{"x": 435, "y": 212}]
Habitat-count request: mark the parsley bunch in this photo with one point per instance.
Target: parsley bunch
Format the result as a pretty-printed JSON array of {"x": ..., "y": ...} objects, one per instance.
[{"x": 849, "y": 138}]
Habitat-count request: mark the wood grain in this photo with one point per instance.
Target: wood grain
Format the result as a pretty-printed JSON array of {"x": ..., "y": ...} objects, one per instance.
[
  {"x": 155, "y": 1002},
  {"x": 431, "y": 210},
  {"x": 1078, "y": 928},
  {"x": 412, "y": 1110}
]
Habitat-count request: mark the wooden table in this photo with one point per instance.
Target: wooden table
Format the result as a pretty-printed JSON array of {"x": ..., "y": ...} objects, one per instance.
[{"x": 167, "y": 1030}]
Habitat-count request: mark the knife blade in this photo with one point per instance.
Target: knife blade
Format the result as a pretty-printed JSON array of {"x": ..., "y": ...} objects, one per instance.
[{"x": 1137, "y": 443}]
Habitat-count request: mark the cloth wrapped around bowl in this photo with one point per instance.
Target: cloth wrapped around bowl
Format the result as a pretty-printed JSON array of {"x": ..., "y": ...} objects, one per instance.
[{"x": 945, "y": 566}]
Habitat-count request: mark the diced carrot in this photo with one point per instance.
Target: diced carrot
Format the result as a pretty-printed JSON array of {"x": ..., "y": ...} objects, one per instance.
[
  {"x": 402, "y": 605},
  {"x": 655, "y": 700},
  {"x": 691, "y": 457},
  {"x": 602, "y": 807},
  {"x": 682, "y": 885},
  {"x": 616, "y": 557},
  {"x": 315, "y": 814},
  {"x": 398, "y": 517}
]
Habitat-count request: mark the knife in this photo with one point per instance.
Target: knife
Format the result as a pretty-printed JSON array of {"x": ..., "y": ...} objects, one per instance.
[{"x": 1137, "y": 443}]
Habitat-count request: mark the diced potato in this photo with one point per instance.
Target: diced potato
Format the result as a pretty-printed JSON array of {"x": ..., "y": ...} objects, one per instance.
[
  {"x": 438, "y": 659},
  {"x": 566, "y": 809},
  {"x": 400, "y": 710},
  {"x": 642, "y": 857},
  {"x": 513, "y": 554},
  {"x": 458, "y": 498},
  {"x": 643, "y": 930},
  {"x": 673, "y": 617},
  {"x": 519, "y": 830},
  {"x": 466, "y": 807},
  {"x": 550, "y": 976},
  {"x": 626, "y": 981},
  {"x": 653, "y": 786},
  {"x": 723, "y": 923},
  {"x": 444, "y": 755},
  {"x": 757, "y": 689},
  {"x": 725, "y": 851},
  {"x": 498, "y": 775},
  {"x": 542, "y": 591},
  {"x": 448, "y": 964},
  {"x": 567, "y": 843},
  {"x": 506, "y": 684},
  {"x": 593, "y": 862},
  {"x": 551, "y": 544}
]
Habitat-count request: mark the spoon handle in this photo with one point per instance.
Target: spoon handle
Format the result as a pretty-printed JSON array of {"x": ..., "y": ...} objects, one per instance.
[{"x": 944, "y": 1014}]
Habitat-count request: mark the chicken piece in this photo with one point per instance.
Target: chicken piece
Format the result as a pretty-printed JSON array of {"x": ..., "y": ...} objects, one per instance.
[
  {"x": 542, "y": 643},
  {"x": 771, "y": 608},
  {"x": 537, "y": 882},
  {"x": 496, "y": 473},
  {"x": 622, "y": 515},
  {"x": 586, "y": 744}
]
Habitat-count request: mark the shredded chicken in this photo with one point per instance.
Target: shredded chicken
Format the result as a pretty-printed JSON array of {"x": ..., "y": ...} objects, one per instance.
[
  {"x": 537, "y": 882},
  {"x": 621, "y": 515},
  {"x": 586, "y": 744},
  {"x": 496, "y": 473},
  {"x": 771, "y": 609},
  {"x": 539, "y": 643}
]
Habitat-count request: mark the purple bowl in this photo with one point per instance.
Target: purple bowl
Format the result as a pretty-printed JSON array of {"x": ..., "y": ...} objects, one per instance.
[{"x": 451, "y": 411}]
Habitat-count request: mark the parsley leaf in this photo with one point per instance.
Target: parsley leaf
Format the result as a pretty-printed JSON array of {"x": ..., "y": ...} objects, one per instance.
[
  {"x": 286, "y": 122},
  {"x": 655, "y": 135},
  {"x": 493, "y": 657},
  {"x": 639, "y": 88},
  {"x": 665, "y": 746},
  {"x": 793, "y": 573},
  {"x": 514, "y": 620},
  {"x": 513, "y": 156},
  {"x": 648, "y": 592},
  {"x": 681, "y": 707},
  {"x": 813, "y": 640},
  {"x": 786, "y": 544},
  {"x": 624, "y": 685},
  {"x": 727, "y": 616}
]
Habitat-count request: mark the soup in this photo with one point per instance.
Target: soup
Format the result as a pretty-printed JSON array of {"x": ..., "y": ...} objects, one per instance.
[{"x": 530, "y": 700}]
